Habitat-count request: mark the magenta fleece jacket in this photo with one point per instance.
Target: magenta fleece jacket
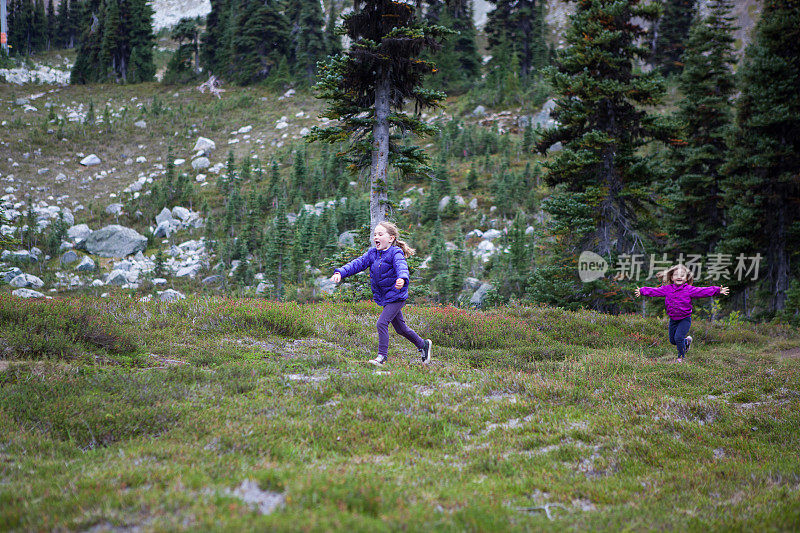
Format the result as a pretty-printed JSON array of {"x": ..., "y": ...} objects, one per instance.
[{"x": 678, "y": 298}]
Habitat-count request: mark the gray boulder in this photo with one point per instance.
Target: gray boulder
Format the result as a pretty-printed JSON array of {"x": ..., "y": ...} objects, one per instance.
[
  {"x": 181, "y": 213},
  {"x": 86, "y": 265},
  {"x": 479, "y": 111},
  {"x": 170, "y": 295},
  {"x": 206, "y": 145},
  {"x": 19, "y": 256},
  {"x": 164, "y": 229},
  {"x": 325, "y": 284},
  {"x": 27, "y": 293},
  {"x": 81, "y": 231},
  {"x": 216, "y": 278},
  {"x": 117, "y": 277},
  {"x": 26, "y": 280},
  {"x": 8, "y": 275},
  {"x": 348, "y": 238},
  {"x": 164, "y": 216},
  {"x": 115, "y": 241},
  {"x": 201, "y": 163},
  {"x": 90, "y": 160},
  {"x": 480, "y": 295},
  {"x": 114, "y": 209},
  {"x": 188, "y": 271},
  {"x": 69, "y": 257}
]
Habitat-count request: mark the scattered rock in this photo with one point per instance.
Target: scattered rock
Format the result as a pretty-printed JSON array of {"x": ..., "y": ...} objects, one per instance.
[
  {"x": 114, "y": 209},
  {"x": 164, "y": 215},
  {"x": 189, "y": 271},
  {"x": 480, "y": 295},
  {"x": 479, "y": 111},
  {"x": 26, "y": 280},
  {"x": 27, "y": 293},
  {"x": 203, "y": 144},
  {"x": 68, "y": 258},
  {"x": 216, "y": 278},
  {"x": 8, "y": 275},
  {"x": 264, "y": 501},
  {"x": 492, "y": 234},
  {"x": 170, "y": 295},
  {"x": 81, "y": 231},
  {"x": 19, "y": 256},
  {"x": 181, "y": 212},
  {"x": 201, "y": 163},
  {"x": 90, "y": 160},
  {"x": 86, "y": 265},
  {"x": 325, "y": 284},
  {"x": 140, "y": 124},
  {"x": 348, "y": 238},
  {"x": 115, "y": 241}
]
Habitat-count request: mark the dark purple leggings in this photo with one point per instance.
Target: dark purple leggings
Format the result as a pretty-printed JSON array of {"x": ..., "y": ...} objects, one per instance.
[{"x": 392, "y": 314}]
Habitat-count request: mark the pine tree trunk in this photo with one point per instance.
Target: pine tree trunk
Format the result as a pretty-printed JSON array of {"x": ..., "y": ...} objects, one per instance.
[
  {"x": 380, "y": 152},
  {"x": 778, "y": 261}
]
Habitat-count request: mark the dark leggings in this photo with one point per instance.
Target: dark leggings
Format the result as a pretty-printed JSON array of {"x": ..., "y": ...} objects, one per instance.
[
  {"x": 678, "y": 329},
  {"x": 392, "y": 314}
]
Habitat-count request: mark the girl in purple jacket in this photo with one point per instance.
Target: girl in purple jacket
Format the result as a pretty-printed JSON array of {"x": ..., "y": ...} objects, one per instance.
[
  {"x": 388, "y": 273},
  {"x": 678, "y": 292}
]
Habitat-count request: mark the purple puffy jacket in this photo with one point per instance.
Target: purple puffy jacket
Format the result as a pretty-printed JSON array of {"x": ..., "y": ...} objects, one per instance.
[
  {"x": 385, "y": 267},
  {"x": 678, "y": 298}
]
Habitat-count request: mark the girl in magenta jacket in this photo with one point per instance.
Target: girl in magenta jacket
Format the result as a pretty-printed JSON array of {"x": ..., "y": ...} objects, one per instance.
[
  {"x": 388, "y": 273},
  {"x": 678, "y": 292}
]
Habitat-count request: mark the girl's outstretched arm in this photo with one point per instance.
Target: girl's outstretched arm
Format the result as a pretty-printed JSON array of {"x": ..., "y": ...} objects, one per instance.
[
  {"x": 703, "y": 292},
  {"x": 355, "y": 266},
  {"x": 652, "y": 291}
]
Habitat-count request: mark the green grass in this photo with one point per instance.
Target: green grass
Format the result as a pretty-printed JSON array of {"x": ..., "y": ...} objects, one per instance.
[{"x": 524, "y": 412}]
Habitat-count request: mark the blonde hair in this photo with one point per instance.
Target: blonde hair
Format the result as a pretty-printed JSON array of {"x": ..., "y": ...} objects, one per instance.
[
  {"x": 392, "y": 230},
  {"x": 665, "y": 276}
]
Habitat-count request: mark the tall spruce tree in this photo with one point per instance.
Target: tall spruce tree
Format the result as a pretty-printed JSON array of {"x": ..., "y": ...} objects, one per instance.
[
  {"x": 518, "y": 25},
  {"x": 670, "y": 34},
  {"x": 367, "y": 88},
  {"x": 117, "y": 43},
  {"x": 603, "y": 123},
  {"x": 762, "y": 190},
  {"x": 458, "y": 61},
  {"x": 696, "y": 214},
  {"x": 259, "y": 41},
  {"x": 308, "y": 40},
  {"x": 333, "y": 42}
]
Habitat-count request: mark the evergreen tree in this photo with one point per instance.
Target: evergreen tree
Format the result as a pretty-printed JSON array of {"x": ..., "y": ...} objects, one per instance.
[
  {"x": 116, "y": 44},
  {"x": 308, "y": 40},
  {"x": 458, "y": 61},
  {"x": 259, "y": 41},
  {"x": 696, "y": 212},
  {"x": 52, "y": 25},
  {"x": 333, "y": 42},
  {"x": 518, "y": 26},
  {"x": 762, "y": 190},
  {"x": 603, "y": 122},
  {"x": 185, "y": 63},
  {"x": 367, "y": 88},
  {"x": 670, "y": 36}
]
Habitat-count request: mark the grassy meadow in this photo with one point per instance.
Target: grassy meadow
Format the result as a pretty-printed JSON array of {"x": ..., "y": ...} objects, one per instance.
[{"x": 120, "y": 415}]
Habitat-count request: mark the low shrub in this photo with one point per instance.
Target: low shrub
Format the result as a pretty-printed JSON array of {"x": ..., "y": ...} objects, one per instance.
[{"x": 61, "y": 329}]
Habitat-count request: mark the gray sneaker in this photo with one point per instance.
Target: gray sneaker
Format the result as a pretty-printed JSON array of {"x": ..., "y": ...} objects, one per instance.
[
  {"x": 688, "y": 344},
  {"x": 379, "y": 360},
  {"x": 426, "y": 351}
]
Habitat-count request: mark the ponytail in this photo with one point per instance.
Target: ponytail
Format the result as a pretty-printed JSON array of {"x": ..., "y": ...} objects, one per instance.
[
  {"x": 407, "y": 250},
  {"x": 392, "y": 230}
]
